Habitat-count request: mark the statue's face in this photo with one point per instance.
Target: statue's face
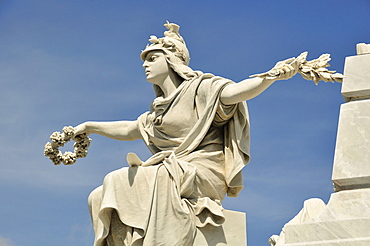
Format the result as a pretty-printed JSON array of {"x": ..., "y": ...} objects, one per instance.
[{"x": 156, "y": 67}]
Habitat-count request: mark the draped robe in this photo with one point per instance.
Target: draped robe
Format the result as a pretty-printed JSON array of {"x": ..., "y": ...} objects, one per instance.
[{"x": 199, "y": 148}]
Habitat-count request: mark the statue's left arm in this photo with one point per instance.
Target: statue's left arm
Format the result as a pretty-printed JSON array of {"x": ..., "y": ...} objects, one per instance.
[
  {"x": 252, "y": 87},
  {"x": 314, "y": 70}
]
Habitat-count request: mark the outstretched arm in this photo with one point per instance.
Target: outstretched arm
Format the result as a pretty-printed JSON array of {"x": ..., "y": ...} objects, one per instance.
[
  {"x": 252, "y": 87},
  {"x": 119, "y": 130}
]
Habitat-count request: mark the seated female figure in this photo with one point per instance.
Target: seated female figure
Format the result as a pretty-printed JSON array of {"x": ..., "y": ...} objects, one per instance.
[{"x": 198, "y": 132}]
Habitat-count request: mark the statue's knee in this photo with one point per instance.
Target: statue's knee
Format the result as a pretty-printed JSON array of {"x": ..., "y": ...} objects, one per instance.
[{"x": 116, "y": 173}]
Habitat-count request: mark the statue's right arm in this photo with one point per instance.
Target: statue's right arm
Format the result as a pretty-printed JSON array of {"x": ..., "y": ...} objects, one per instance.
[{"x": 120, "y": 130}]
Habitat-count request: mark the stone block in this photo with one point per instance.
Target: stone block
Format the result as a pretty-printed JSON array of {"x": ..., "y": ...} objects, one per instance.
[
  {"x": 363, "y": 49},
  {"x": 356, "y": 84},
  {"x": 231, "y": 233},
  {"x": 351, "y": 168},
  {"x": 344, "y": 221}
]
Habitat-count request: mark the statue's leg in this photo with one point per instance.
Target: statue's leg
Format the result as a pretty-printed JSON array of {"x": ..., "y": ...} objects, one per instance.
[
  {"x": 104, "y": 202},
  {"x": 119, "y": 233},
  {"x": 146, "y": 198}
]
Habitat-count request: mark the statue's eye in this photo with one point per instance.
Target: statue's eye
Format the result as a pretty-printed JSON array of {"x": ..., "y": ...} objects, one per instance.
[{"x": 153, "y": 58}]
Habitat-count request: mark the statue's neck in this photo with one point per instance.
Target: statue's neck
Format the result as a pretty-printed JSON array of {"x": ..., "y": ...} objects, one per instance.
[{"x": 170, "y": 84}]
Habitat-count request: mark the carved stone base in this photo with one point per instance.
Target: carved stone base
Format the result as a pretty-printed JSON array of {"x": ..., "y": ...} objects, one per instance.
[
  {"x": 231, "y": 233},
  {"x": 344, "y": 221},
  {"x": 352, "y": 156}
]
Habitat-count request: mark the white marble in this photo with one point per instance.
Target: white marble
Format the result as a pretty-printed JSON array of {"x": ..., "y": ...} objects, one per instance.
[
  {"x": 197, "y": 129},
  {"x": 315, "y": 70},
  {"x": 356, "y": 84},
  {"x": 352, "y": 154},
  {"x": 363, "y": 49},
  {"x": 345, "y": 220},
  {"x": 231, "y": 233}
]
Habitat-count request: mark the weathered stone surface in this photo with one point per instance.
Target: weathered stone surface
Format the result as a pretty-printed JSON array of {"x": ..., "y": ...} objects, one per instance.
[
  {"x": 231, "y": 233},
  {"x": 352, "y": 156},
  {"x": 356, "y": 84},
  {"x": 344, "y": 221},
  {"x": 363, "y": 49}
]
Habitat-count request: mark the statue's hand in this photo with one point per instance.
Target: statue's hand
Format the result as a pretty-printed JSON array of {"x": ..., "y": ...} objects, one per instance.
[
  {"x": 314, "y": 70},
  {"x": 81, "y": 129},
  {"x": 282, "y": 70},
  {"x": 286, "y": 69}
]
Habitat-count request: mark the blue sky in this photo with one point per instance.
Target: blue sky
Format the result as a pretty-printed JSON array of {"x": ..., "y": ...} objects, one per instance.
[{"x": 66, "y": 62}]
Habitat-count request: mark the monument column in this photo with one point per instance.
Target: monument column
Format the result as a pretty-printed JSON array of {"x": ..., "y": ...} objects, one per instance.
[
  {"x": 345, "y": 220},
  {"x": 352, "y": 154}
]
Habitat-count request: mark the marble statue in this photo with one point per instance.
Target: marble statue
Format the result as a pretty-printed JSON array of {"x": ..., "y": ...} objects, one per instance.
[{"x": 197, "y": 129}]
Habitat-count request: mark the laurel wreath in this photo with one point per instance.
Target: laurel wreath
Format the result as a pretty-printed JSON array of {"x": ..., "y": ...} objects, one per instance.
[
  {"x": 81, "y": 145},
  {"x": 314, "y": 70}
]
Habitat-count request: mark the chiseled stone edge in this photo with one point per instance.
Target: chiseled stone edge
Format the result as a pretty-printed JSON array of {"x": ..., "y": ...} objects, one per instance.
[
  {"x": 356, "y": 83},
  {"x": 351, "y": 168}
]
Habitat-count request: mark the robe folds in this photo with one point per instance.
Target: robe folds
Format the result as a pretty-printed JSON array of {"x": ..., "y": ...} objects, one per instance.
[{"x": 199, "y": 148}]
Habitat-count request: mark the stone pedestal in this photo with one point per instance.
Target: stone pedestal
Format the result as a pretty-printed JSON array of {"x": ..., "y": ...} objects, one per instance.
[
  {"x": 352, "y": 154},
  {"x": 345, "y": 220},
  {"x": 356, "y": 84},
  {"x": 231, "y": 233}
]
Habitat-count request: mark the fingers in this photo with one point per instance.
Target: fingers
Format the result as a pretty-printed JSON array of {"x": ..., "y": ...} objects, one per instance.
[
  {"x": 286, "y": 65},
  {"x": 288, "y": 70},
  {"x": 295, "y": 65},
  {"x": 80, "y": 129},
  {"x": 282, "y": 70},
  {"x": 289, "y": 60}
]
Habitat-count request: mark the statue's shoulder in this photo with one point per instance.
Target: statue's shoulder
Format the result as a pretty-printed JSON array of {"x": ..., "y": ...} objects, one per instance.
[{"x": 211, "y": 83}]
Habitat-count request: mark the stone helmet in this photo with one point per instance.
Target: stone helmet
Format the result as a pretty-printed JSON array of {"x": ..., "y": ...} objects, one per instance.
[{"x": 174, "y": 47}]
